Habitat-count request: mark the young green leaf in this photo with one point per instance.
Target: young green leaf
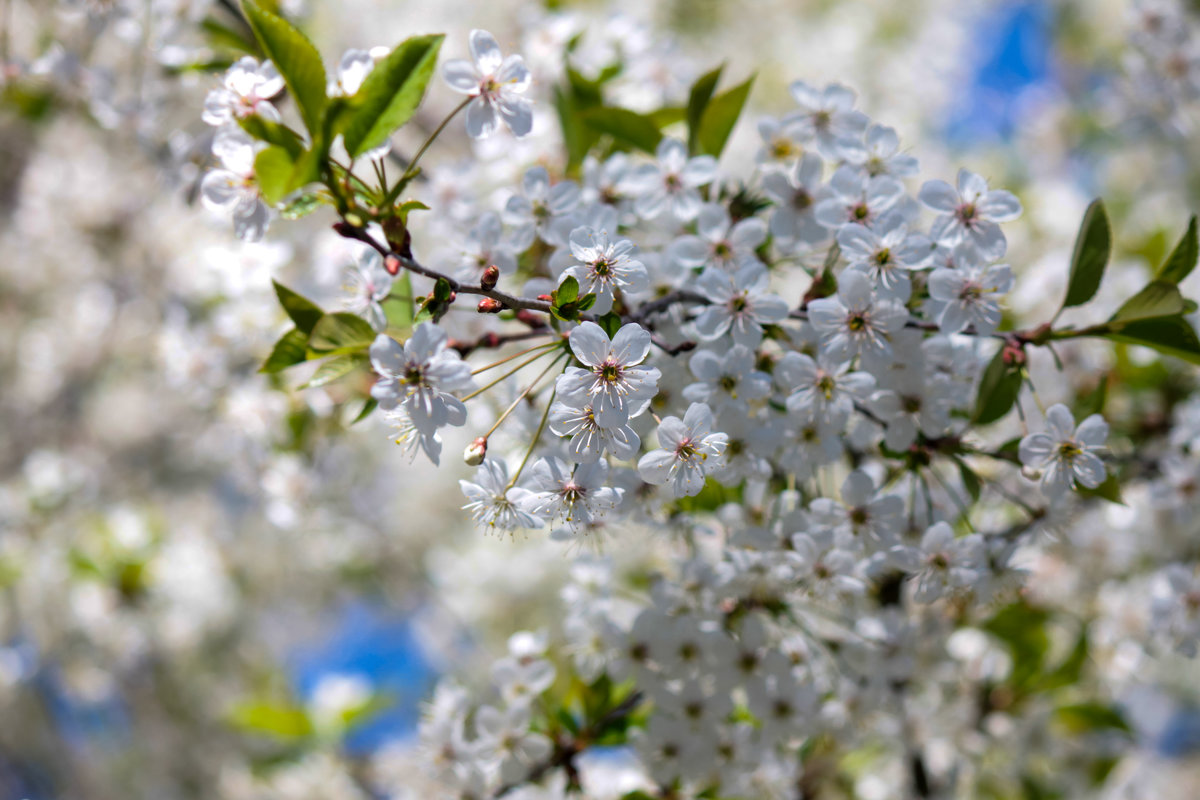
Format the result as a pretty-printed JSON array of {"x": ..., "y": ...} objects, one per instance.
[
  {"x": 627, "y": 127},
  {"x": 1092, "y": 248},
  {"x": 1109, "y": 490},
  {"x": 340, "y": 331},
  {"x": 719, "y": 117},
  {"x": 1182, "y": 260},
  {"x": 391, "y": 93},
  {"x": 302, "y": 311},
  {"x": 272, "y": 132},
  {"x": 334, "y": 368},
  {"x": 291, "y": 349},
  {"x": 1157, "y": 299},
  {"x": 998, "y": 390},
  {"x": 298, "y": 62},
  {"x": 301, "y": 206},
  {"x": 1171, "y": 336},
  {"x": 698, "y": 98},
  {"x": 273, "y": 169},
  {"x": 567, "y": 291}
]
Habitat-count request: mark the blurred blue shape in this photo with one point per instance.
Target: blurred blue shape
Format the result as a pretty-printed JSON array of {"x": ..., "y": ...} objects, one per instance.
[
  {"x": 1012, "y": 48},
  {"x": 377, "y": 643},
  {"x": 1180, "y": 737}
]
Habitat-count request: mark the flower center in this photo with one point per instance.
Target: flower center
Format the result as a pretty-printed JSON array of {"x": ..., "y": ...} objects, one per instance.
[
  {"x": 856, "y": 322},
  {"x": 859, "y": 212}
]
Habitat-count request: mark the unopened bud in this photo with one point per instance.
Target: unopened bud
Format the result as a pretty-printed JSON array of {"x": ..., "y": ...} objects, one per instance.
[
  {"x": 354, "y": 219},
  {"x": 545, "y": 298},
  {"x": 475, "y": 452},
  {"x": 1031, "y": 473},
  {"x": 491, "y": 276},
  {"x": 1014, "y": 355},
  {"x": 489, "y": 306},
  {"x": 392, "y": 265}
]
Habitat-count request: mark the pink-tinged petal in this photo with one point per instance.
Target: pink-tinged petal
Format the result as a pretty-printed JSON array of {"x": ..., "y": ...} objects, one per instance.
[
  {"x": 857, "y": 489},
  {"x": 461, "y": 76},
  {"x": 939, "y": 196},
  {"x": 517, "y": 114},
  {"x": 630, "y": 345},
  {"x": 655, "y": 467},
  {"x": 514, "y": 75},
  {"x": 485, "y": 51},
  {"x": 1035, "y": 449},
  {"x": 1059, "y": 422},
  {"x": 1093, "y": 431},
  {"x": 590, "y": 344},
  {"x": 481, "y": 118},
  {"x": 970, "y": 186},
  {"x": 713, "y": 222},
  {"x": 1089, "y": 469},
  {"x": 1000, "y": 206}
]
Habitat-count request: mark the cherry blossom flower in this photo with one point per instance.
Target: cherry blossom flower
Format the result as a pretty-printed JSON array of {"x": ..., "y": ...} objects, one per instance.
[
  {"x": 970, "y": 213},
  {"x": 422, "y": 375},
  {"x": 496, "y": 83},
  {"x": 855, "y": 322},
  {"x": 233, "y": 188},
  {"x": 605, "y": 266},
  {"x": 368, "y": 283},
  {"x": 969, "y": 297},
  {"x": 249, "y": 87},
  {"x": 493, "y": 503},
  {"x": 689, "y": 451},
  {"x": 673, "y": 183},
  {"x": 887, "y": 254},
  {"x": 613, "y": 385},
  {"x": 1064, "y": 454},
  {"x": 576, "y": 496},
  {"x": 741, "y": 305},
  {"x": 821, "y": 390},
  {"x": 721, "y": 243},
  {"x": 828, "y": 116}
]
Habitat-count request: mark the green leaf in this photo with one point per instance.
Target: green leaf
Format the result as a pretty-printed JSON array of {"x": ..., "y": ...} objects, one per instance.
[
  {"x": 1022, "y": 628},
  {"x": 667, "y": 115},
  {"x": 273, "y": 168},
  {"x": 1171, "y": 336},
  {"x": 367, "y": 408},
  {"x": 587, "y": 301},
  {"x": 341, "y": 331},
  {"x": 567, "y": 291},
  {"x": 1157, "y": 299},
  {"x": 278, "y": 721},
  {"x": 334, "y": 368},
  {"x": 291, "y": 349},
  {"x": 220, "y": 36},
  {"x": 998, "y": 390},
  {"x": 1182, "y": 260},
  {"x": 391, "y": 93},
  {"x": 627, "y": 127},
  {"x": 1109, "y": 490},
  {"x": 301, "y": 206},
  {"x": 611, "y": 323},
  {"x": 273, "y": 132},
  {"x": 1092, "y": 248},
  {"x": 398, "y": 306},
  {"x": 300, "y": 309},
  {"x": 970, "y": 479},
  {"x": 297, "y": 60},
  {"x": 698, "y": 97},
  {"x": 1090, "y": 717},
  {"x": 720, "y": 115}
]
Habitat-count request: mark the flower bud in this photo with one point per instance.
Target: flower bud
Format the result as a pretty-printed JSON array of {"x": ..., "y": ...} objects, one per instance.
[
  {"x": 354, "y": 220},
  {"x": 1014, "y": 355},
  {"x": 1031, "y": 474},
  {"x": 475, "y": 452},
  {"x": 527, "y": 317},
  {"x": 545, "y": 298},
  {"x": 489, "y": 306},
  {"x": 392, "y": 265},
  {"x": 491, "y": 276}
]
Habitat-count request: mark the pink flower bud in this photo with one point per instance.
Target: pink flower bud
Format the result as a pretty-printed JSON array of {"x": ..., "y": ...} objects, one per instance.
[
  {"x": 475, "y": 452},
  {"x": 491, "y": 276}
]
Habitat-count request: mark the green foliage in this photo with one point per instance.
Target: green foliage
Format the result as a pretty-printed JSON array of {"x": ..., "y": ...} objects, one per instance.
[
  {"x": 274, "y": 168},
  {"x": 719, "y": 116},
  {"x": 291, "y": 349},
  {"x": 1093, "y": 246},
  {"x": 390, "y": 95},
  {"x": 340, "y": 333},
  {"x": 1171, "y": 336},
  {"x": 1080, "y": 718},
  {"x": 298, "y": 62},
  {"x": 1182, "y": 260},
  {"x": 275, "y": 720},
  {"x": 301, "y": 206},
  {"x": 998, "y": 390},
  {"x": 628, "y": 128},
  {"x": 566, "y": 304},
  {"x": 698, "y": 98},
  {"x": 335, "y": 368},
  {"x": 272, "y": 132},
  {"x": 302, "y": 311}
]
